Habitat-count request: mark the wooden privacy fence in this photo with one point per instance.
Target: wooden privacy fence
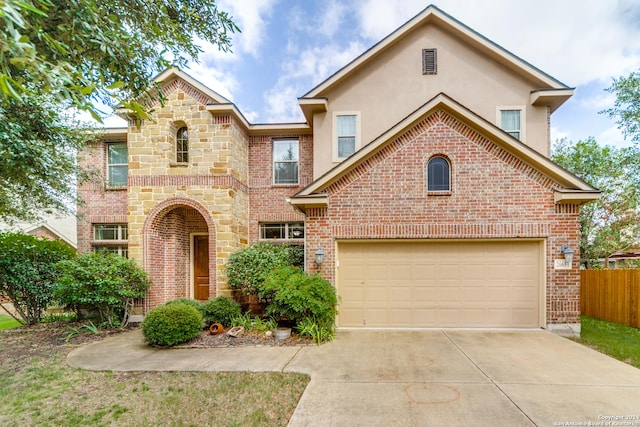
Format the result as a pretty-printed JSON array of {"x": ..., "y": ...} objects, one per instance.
[{"x": 612, "y": 295}]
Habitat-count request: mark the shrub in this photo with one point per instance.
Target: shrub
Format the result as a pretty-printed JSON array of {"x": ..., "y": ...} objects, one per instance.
[
  {"x": 104, "y": 283},
  {"x": 248, "y": 268},
  {"x": 172, "y": 324},
  {"x": 296, "y": 296},
  {"x": 221, "y": 310},
  {"x": 189, "y": 301},
  {"x": 28, "y": 273},
  {"x": 254, "y": 323},
  {"x": 308, "y": 327}
]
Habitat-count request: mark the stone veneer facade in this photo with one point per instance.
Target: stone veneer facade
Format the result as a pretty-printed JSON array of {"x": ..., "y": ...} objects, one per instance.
[{"x": 166, "y": 202}]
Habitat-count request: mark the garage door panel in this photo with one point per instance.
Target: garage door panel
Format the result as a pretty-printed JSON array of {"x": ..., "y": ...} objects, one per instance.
[{"x": 442, "y": 284}]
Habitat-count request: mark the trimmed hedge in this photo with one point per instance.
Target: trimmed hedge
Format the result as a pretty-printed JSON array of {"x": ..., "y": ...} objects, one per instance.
[{"x": 172, "y": 324}]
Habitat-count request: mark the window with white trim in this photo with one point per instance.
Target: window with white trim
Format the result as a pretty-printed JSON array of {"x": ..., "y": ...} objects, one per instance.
[
  {"x": 346, "y": 135},
  {"x": 282, "y": 231},
  {"x": 511, "y": 120},
  {"x": 112, "y": 238},
  {"x": 286, "y": 159},
  {"x": 117, "y": 164}
]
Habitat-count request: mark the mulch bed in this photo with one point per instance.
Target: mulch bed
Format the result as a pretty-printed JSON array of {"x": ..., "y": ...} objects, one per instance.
[{"x": 248, "y": 339}]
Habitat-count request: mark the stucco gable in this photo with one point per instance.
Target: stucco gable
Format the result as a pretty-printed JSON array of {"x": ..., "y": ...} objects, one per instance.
[
  {"x": 433, "y": 15},
  {"x": 501, "y": 145}
]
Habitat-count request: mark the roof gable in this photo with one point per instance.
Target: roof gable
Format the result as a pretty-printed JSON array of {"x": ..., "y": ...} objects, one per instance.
[
  {"x": 172, "y": 78},
  {"x": 571, "y": 189},
  {"x": 434, "y": 15}
]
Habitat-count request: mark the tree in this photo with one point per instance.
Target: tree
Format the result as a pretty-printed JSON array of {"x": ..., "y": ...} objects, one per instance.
[
  {"x": 611, "y": 223},
  {"x": 104, "y": 283},
  {"x": 28, "y": 274},
  {"x": 57, "y": 56},
  {"x": 626, "y": 108},
  {"x": 38, "y": 144}
]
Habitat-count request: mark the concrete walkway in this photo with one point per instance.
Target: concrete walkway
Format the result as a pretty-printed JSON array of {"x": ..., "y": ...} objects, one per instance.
[{"x": 401, "y": 378}]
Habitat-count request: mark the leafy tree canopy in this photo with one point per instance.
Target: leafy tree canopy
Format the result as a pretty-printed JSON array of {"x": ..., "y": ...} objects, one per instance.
[
  {"x": 64, "y": 55},
  {"x": 80, "y": 51},
  {"x": 611, "y": 223},
  {"x": 626, "y": 108}
]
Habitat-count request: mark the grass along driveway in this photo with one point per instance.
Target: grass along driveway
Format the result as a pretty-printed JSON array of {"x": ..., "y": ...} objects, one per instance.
[
  {"x": 7, "y": 322},
  {"x": 43, "y": 390},
  {"x": 619, "y": 341}
]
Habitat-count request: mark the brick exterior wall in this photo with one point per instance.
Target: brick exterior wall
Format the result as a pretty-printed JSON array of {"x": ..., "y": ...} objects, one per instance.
[
  {"x": 226, "y": 190},
  {"x": 494, "y": 196},
  {"x": 99, "y": 205},
  {"x": 268, "y": 202}
]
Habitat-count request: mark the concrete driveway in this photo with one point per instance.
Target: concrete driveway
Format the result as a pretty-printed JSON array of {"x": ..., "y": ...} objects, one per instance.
[{"x": 433, "y": 377}]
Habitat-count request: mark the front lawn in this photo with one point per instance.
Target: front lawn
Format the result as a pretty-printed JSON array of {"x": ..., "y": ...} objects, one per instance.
[
  {"x": 7, "y": 322},
  {"x": 618, "y": 341},
  {"x": 37, "y": 387}
]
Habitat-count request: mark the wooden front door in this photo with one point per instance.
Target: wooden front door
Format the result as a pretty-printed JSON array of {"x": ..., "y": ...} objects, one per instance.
[{"x": 201, "y": 267}]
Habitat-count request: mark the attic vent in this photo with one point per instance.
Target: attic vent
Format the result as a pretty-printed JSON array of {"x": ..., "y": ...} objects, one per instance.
[{"x": 429, "y": 61}]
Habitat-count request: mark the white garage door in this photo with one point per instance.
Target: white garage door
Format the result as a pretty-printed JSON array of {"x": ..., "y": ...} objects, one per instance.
[{"x": 440, "y": 284}]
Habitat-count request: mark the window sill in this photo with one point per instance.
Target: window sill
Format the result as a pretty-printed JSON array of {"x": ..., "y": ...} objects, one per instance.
[
  {"x": 178, "y": 164},
  {"x": 116, "y": 187},
  {"x": 439, "y": 193},
  {"x": 109, "y": 242},
  {"x": 297, "y": 241},
  {"x": 286, "y": 185}
]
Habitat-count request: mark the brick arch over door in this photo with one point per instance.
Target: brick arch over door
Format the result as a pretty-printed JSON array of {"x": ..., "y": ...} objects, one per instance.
[{"x": 167, "y": 248}]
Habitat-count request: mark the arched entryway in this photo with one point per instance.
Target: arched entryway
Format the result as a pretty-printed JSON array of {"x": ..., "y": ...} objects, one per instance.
[{"x": 179, "y": 251}]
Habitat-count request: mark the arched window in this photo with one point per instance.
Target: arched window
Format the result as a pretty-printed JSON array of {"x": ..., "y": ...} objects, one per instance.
[
  {"x": 438, "y": 174},
  {"x": 182, "y": 145}
]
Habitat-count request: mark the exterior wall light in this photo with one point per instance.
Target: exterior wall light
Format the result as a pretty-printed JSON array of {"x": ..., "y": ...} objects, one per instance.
[
  {"x": 568, "y": 254},
  {"x": 319, "y": 255}
]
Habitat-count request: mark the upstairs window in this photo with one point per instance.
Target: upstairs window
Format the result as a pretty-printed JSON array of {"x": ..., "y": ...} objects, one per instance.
[
  {"x": 117, "y": 165},
  {"x": 346, "y": 133},
  {"x": 511, "y": 122},
  {"x": 429, "y": 61},
  {"x": 438, "y": 175},
  {"x": 285, "y": 161},
  {"x": 182, "y": 145}
]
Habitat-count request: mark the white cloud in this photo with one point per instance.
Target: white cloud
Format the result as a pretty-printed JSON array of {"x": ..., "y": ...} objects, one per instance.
[
  {"x": 613, "y": 136},
  {"x": 379, "y": 18},
  {"x": 281, "y": 103},
  {"x": 301, "y": 73},
  {"x": 558, "y": 134},
  {"x": 327, "y": 22},
  {"x": 251, "y": 16},
  {"x": 598, "y": 101},
  {"x": 216, "y": 78}
]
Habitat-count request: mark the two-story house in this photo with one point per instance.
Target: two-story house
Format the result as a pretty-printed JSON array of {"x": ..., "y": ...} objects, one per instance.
[{"x": 420, "y": 185}]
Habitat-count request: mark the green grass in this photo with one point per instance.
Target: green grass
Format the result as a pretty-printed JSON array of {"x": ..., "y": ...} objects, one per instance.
[
  {"x": 48, "y": 392},
  {"x": 618, "y": 341},
  {"x": 8, "y": 322}
]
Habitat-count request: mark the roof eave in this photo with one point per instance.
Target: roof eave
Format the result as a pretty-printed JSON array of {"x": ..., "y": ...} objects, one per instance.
[
  {"x": 312, "y": 106},
  {"x": 552, "y": 98},
  {"x": 258, "y": 129},
  {"x": 562, "y": 196}
]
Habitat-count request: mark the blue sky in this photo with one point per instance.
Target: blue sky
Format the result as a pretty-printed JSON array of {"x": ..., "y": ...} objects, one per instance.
[{"x": 287, "y": 47}]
